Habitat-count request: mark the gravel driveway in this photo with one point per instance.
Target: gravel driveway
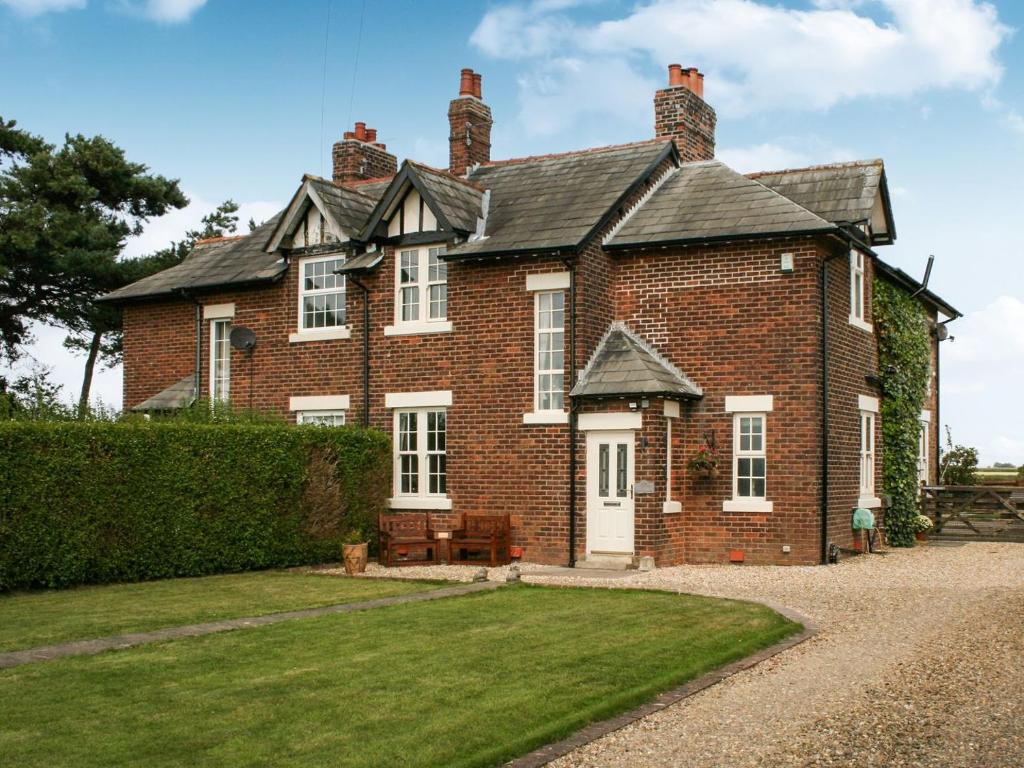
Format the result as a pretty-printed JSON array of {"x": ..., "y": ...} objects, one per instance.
[{"x": 919, "y": 661}]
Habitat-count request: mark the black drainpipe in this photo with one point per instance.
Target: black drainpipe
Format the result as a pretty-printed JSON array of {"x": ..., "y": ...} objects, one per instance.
[
  {"x": 570, "y": 264},
  {"x": 366, "y": 347},
  {"x": 199, "y": 338},
  {"x": 825, "y": 405}
]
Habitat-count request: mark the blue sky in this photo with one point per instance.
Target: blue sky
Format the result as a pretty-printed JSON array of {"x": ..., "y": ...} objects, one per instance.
[{"x": 227, "y": 96}]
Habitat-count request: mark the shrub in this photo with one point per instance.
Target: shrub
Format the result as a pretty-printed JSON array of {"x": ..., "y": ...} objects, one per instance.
[
  {"x": 104, "y": 502},
  {"x": 958, "y": 465}
]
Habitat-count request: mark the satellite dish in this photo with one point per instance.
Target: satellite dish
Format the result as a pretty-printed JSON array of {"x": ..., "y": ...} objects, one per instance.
[
  {"x": 242, "y": 338},
  {"x": 941, "y": 332}
]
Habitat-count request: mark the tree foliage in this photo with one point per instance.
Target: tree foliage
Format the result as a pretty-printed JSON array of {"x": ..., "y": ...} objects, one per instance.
[
  {"x": 904, "y": 356},
  {"x": 65, "y": 213},
  {"x": 958, "y": 464}
]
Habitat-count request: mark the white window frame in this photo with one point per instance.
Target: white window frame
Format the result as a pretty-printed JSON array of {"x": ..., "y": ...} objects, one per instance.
[
  {"x": 923, "y": 448},
  {"x": 858, "y": 303},
  {"x": 422, "y": 498},
  {"x": 334, "y": 418},
  {"x": 302, "y": 333},
  {"x": 671, "y": 411},
  {"x": 423, "y": 322},
  {"x": 748, "y": 503},
  {"x": 541, "y": 415},
  {"x": 220, "y": 386},
  {"x": 868, "y": 458}
]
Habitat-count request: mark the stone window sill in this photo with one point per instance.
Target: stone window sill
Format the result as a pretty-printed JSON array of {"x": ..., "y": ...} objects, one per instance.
[
  {"x": 412, "y": 329},
  {"x": 420, "y": 502},
  {"x": 546, "y": 417},
  {"x": 747, "y": 505},
  {"x": 326, "y": 334}
]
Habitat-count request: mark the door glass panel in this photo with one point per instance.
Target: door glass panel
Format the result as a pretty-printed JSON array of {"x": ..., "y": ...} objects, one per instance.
[
  {"x": 620, "y": 473},
  {"x": 602, "y": 475}
]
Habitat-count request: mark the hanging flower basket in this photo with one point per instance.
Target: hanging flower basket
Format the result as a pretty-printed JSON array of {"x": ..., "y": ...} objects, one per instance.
[{"x": 704, "y": 463}]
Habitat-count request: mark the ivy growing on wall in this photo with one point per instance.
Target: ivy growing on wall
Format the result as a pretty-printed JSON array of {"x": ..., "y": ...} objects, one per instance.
[{"x": 903, "y": 358}]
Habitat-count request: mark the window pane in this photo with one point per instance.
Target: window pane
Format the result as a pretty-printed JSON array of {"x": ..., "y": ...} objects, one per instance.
[
  {"x": 411, "y": 303},
  {"x": 437, "y": 474},
  {"x": 757, "y": 468},
  {"x": 410, "y": 267},
  {"x": 743, "y": 486},
  {"x": 438, "y": 301},
  {"x": 758, "y": 488},
  {"x": 743, "y": 467},
  {"x": 621, "y": 470},
  {"x": 410, "y": 474},
  {"x": 602, "y": 476}
]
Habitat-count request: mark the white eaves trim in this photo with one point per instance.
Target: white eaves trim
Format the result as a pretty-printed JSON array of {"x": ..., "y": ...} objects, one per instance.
[
  {"x": 749, "y": 403},
  {"x": 546, "y": 417},
  {"x": 547, "y": 281},
  {"x": 338, "y": 332},
  {"x": 416, "y": 327},
  {"x": 218, "y": 311},
  {"x": 869, "y": 404},
  {"x": 593, "y": 421},
  {"x": 747, "y": 505},
  {"x": 319, "y": 403},
  {"x": 420, "y": 502},
  {"x": 440, "y": 398}
]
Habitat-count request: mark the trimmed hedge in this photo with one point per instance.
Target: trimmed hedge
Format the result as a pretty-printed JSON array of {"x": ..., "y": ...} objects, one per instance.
[{"x": 107, "y": 502}]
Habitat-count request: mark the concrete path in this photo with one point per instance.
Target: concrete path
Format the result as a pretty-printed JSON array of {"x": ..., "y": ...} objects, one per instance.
[{"x": 99, "y": 645}]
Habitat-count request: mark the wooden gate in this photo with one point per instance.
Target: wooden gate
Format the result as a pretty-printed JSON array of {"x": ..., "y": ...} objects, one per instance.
[{"x": 975, "y": 512}]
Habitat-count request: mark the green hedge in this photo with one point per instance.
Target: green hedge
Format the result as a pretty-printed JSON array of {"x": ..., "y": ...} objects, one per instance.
[{"x": 106, "y": 502}]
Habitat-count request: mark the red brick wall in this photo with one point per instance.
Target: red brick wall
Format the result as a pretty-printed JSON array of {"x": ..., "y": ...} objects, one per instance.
[
  {"x": 685, "y": 117},
  {"x": 731, "y": 320}
]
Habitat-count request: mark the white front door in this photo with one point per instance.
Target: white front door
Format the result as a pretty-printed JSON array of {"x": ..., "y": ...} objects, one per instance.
[{"x": 610, "y": 492}]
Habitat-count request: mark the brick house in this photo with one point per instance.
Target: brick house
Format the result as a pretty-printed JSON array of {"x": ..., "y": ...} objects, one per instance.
[{"x": 556, "y": 337}]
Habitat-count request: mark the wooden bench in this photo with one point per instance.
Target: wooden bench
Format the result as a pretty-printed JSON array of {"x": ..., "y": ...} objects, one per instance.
[
  {"x": 404, "y": 536},
  {"x": 484, "y": 539}
]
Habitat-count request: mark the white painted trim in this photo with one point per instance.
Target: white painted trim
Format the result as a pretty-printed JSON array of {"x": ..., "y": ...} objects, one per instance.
[
  {"x": 869, "y": 502},
  {"x": 547, "y": 281},
  {"x": 672, "y": 409},
  {"x": 420, "y": 502},
  {"x": 319, "y": 403},
  {"x": 749, "y": 403},
  {"x": 436, "y": 399},
  {"x": 219, "y": 311},
  {"x": 593, "y": 421},
  {"x": 546, "y": 417},
  {"x": 926, "y": 416},
  {"x": 866, "y": 403},
  {"x": 747, "y": 505},
  {"x": 671, "y": 507},
  {"x": 327, "y": 334},
  {"x": 300, "y": 268},
  {"x": 856, "y": 322},
  {"x": 411, "y": 327}
]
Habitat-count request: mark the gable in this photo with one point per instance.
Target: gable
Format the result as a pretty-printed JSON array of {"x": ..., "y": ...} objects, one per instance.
[
  {"x": 317, "y": 215},
  {"x": 411, "y": 214}
]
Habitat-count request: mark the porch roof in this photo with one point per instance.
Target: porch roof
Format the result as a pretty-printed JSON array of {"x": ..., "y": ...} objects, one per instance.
[{"x": 179, "y": 395}]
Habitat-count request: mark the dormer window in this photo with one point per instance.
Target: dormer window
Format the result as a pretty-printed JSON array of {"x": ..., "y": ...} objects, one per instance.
[
  {"x": 421, "y": 291},
  {"x": 321, "y": 299}
]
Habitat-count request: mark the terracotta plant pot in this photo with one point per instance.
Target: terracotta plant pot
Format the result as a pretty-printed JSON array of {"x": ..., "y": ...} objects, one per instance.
[
  {"x": 920, "y": 536},
  {"x": 355, "y": 556}
]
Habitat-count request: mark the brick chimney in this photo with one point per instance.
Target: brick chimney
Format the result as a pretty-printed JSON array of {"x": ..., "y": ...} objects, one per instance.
[
  {"x": 469, "y": 141},
  {"x": 360, "y": 156},
  {"x": 681, "y": 114}
]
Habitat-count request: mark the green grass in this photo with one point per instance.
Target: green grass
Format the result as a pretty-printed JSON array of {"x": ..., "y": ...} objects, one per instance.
[
  {"x": 465, "y": 681},
  {"x": 31, "y": 619}
]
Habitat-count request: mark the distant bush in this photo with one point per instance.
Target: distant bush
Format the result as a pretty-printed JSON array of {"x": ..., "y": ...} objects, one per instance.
[
  {"x": 958, "y": 466},
  {"x": 105, "y": 502}
]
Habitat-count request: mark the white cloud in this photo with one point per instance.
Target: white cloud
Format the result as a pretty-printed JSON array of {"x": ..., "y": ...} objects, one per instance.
[
  {"x": 171, "y": 227},
  {"x": 171, "y": 11},
  {"x": 757, "y": 56},
  {"x": 781, "y": 154},
  {"x": 981, "y": 370},
  {"x": 37, "y": 7}
]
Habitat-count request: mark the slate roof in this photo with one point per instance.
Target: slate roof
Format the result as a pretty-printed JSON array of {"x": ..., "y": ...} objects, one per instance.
[
  {"x": 348, "y": 207},
  {"x": 623, "y": 364},
  {"x": 708, "y": 200},
  {"x": 239, "y": 260},
  {"x": 364, "y": 262},
  {"x": 841, "y": 193},
  {"x": 179, "y": 395},
  {"x": 458, "y": 200},
  {"x": 556, "y": 201}
]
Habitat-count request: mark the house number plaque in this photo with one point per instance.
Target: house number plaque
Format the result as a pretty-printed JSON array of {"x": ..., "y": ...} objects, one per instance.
[{"x": 643, "y": 486}]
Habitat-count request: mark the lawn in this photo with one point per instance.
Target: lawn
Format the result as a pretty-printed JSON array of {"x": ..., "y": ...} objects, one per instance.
[
  {"x": 464, "y": 681},
  {"x": 32, "y": 619}
]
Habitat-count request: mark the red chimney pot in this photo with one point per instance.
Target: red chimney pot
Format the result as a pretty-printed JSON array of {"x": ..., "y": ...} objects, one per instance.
[
  {"x": 675, "y": 75},
  {"x": 478, "y": 83},
  {"x": 371, "y": 135},
  {"x": 361, "y": 131},
  {"x": 466, "y": 83}
]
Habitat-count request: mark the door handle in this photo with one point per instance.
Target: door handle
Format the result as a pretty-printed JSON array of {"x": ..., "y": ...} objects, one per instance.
[{"x": 613, "y": 503}]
